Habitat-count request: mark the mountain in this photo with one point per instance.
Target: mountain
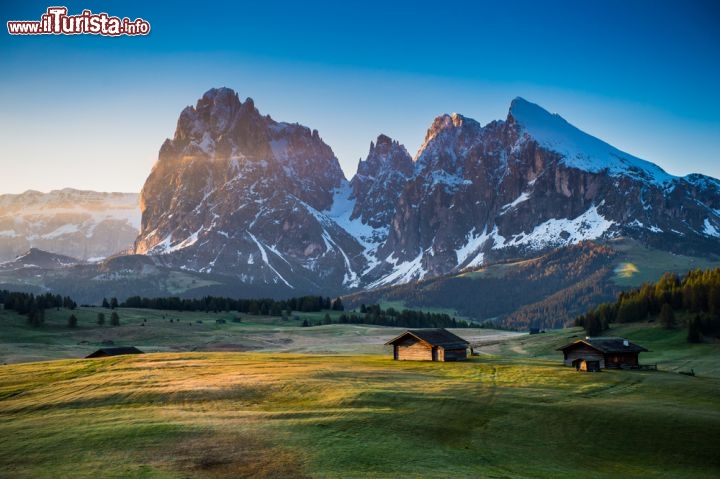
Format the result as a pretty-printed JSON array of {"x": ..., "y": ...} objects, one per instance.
[
  {"x": 36, "y": 258},
  {"x": 82, "y": 224},
  {"x": 533, "y": 182},
  {"x": 237, "y": 193},
  {"x": 521, "y": 221}
]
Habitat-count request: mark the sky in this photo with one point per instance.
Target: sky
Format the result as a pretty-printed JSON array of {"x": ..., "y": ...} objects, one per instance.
[{"x": 91, "y": 112}]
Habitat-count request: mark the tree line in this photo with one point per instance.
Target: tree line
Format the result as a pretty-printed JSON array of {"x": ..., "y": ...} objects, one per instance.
[
  {"x": 33, "y": 306},
  {"x": 696, "y": 296},
  {"x": 262, "y": 307},
  {"x": 406, "y": 318}
]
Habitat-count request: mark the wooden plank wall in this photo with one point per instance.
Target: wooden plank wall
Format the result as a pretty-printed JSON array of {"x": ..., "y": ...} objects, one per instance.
[
  {"x": 622, "y": 358},
  {"x": 414, "y": 351},
  {"x": 584, "y": 352},
  {"x": 452, "y": 354}
]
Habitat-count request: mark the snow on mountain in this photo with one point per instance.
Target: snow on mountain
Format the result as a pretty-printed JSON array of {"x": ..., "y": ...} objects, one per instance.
[
  {"x": 531, "y": 183},
  {"x": 250, "y": 198},
  {"x": 39, "y": 259},
  {"x": 341, "y": 212},
  {"x": 580, "y": 150},
  {"x": 710, "y": 229},
  {"x": 238, "y": 193},
  {"x": 82, "y": 224},
  {"x": 560, "y": 232}
]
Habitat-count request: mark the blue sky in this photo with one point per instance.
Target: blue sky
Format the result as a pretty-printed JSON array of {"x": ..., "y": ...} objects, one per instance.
[{"x": 91, "y": 112}]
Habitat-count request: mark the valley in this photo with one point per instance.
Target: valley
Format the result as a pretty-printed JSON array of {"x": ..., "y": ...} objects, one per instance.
[{"x": 331, "y": 402}]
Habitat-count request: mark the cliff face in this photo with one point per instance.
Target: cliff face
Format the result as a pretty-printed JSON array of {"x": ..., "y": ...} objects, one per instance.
[{"x": 238, "y": 193}]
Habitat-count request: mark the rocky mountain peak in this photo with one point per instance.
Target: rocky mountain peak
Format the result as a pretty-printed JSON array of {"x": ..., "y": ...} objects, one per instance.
[
  {"x": 380, "y": 180},
  {"x": 446, "y": 122},
  {"x": 446, "y": 130},
  {"x": 386, "y": 154},
  {"x": 239, "y": 193}
]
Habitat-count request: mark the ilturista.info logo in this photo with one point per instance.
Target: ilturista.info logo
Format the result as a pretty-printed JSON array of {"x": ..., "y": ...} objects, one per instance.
[{"x": 57, "y": 22}]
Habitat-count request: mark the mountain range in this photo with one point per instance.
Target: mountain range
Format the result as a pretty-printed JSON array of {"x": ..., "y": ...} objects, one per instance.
[
  {"x": 241, "y": 202},
  {"x": 86, "y": 225}
]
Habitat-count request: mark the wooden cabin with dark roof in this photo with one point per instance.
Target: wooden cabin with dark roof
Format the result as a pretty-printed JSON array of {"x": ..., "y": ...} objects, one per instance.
[
  {"x": 105, "y": 352},
  {"x": 428, "y": 345},
  {"x": 592, "y": 353}
]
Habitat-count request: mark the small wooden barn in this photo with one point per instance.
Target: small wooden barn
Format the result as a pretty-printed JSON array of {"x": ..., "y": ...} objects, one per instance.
[
  {"x": 428, "y": 345},
  {"x": 591, "y": 353},
  {"x": 105, "y": 352}
]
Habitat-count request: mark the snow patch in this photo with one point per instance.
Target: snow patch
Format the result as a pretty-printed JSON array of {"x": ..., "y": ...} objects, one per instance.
[
  {"x": 710, "y": 229},
  {"x": 369, "y": 238},
  {"x": 472, "y": 246},
  {"x": 452, "y": 182},
  {"x": 560, "y": 232},
  {"x": 264, "y": 256},
  {"x": 402, "y": 273},
  {"x": 523, "y": 197},
  {"x": 189, "y": 241}
]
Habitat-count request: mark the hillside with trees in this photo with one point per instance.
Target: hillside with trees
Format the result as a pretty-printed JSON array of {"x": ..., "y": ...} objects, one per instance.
[
  {"x": 546, "y": 292},
  {"x": 691, "y": 301}
]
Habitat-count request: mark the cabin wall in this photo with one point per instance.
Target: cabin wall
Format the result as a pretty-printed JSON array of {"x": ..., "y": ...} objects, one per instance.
[
  {"x": 583, "y": 352},
  {"x": 411, "y": 349},
  {"x": 452, "y": 354},
  {"x": 618, "y": 359}
]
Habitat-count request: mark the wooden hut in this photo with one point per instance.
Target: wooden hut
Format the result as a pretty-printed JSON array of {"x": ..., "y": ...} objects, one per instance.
[
  {"x": 606, "y": 352},
  {"x": 105, "y": 352},
  {"x": 428, "y": 345}
]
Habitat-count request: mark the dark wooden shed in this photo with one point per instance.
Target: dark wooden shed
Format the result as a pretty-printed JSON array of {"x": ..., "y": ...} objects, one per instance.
[
  {"x": 105, "y": 352},
  {"x": 607, "y": 352},
  {"x": 428, "y": 345}
]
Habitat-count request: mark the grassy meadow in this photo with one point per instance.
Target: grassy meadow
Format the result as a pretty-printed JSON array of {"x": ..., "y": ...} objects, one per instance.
[
  {"x": 641, "y": 264},
  {"x": 339, "y": 407}
]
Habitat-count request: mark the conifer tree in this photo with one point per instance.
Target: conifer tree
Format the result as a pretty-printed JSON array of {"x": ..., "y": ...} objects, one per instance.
[{"x": 667, "y": 316}]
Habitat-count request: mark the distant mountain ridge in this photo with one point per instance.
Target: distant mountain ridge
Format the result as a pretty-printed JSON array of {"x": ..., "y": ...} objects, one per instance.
[{"x": 83, "y": 224}]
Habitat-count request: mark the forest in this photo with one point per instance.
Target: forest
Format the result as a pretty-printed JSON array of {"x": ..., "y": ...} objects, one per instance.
[{"x": 691, "y": 301}]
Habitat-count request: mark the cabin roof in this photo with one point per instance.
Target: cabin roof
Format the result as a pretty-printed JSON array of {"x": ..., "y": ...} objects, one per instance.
[
  {"x": 606, "y": 345},
  {"x": 434, "y": 337},
  {"x": 117, "y": 351}
]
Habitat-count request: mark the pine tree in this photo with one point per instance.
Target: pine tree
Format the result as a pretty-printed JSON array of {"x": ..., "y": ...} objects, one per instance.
[
  {"x": 114, "y": 319},
  {"x": 337, "y": 305},
  {"x": 667, "y": 316},
  {"x": 113, "y": 303},
  {"x": 105, "y": 303},
  {"x": 72, "y": 321},
  {"x": 101, "y": 318},
  {"x": 694, "y": 330}
]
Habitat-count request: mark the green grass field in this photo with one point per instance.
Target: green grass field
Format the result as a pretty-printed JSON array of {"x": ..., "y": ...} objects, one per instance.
[
  {"x": 346, "y": 410},
  {"x": 281, "y": 415}
]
